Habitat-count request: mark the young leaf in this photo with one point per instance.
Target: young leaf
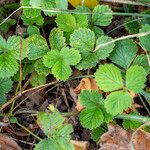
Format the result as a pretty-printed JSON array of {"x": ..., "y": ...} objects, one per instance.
[
  {"x": 56, "y": 39},
  {"x": 90, "y": 99},
  {"x": 117, "y": 101},
  {"x": 144, "y": 41},
  {"x": 91, "y": 118},
  {"x": 135, "y": 78},
  {"x": 60, "y": 62},
  {"x": 124, "y": 53},
  {"x": 99, "y": 17},
  {"x": 108, "y": 78},
  {"x": 37, "y": 46}
]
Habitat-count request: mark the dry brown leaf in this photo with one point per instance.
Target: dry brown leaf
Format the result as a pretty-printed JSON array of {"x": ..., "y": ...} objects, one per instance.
[
  {"x": 80, "y": 145},
  {"x": 7, "y": 143},
  {"x": 141, "y": 140},
  {"x": 85, "y": 84}
]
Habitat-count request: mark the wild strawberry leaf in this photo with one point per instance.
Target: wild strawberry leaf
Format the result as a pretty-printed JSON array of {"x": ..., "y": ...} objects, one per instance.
[
  {"x": 117, "y": 102},
  {"x": 57, "y": 39},
  {"x": 144, "y": 41},
  {"x": 108, "y": 78},
  {"x": 124, "y": 53},
  {"x": 60, "y": 62},
  {"x": 33, "y": 30},
  {"x": 135, "y": 78},
  {"x": 99, "y": 17}
]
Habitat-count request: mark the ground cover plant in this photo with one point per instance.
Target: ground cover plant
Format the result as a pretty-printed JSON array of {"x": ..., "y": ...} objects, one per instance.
[{"x": 74, "y": 75}]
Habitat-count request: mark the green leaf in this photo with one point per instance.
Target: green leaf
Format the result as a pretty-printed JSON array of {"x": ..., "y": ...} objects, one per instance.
[
  {"x": 124, "y": 53},
  {"x": 142, "y": 60},
  {"x": 66, "y": 22},
  {"x": 108, "y": 78},
  {"x": 91, "y": 118},
  {"x": 8, "y": 65},
  {"x": 33, "y": 30},
  {"x": 60, "y": 62},
  {"x": 99, "y": 17},
  {"x": 62, "y": 4},
  {"x": 2, "y": 98},
  {"x": 98, "y": 31},
  {"x": 97, "y": 133},
  {"x": 2, "y": 44},
  {"x": 40, "y": 68},
  {"x": 57, "y": 39},
  {"x": 38, "y": 79},
  {"x": 144, "y": 40},
  {"x": 117, "y": 102},
  {"x": 37, "y": 46},
  {"x": 135, "y": 78},
  {"x": 90, "y": 99}
]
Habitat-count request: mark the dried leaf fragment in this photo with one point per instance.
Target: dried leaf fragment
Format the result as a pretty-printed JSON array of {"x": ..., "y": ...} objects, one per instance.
[{"x": 80, "y": 145}]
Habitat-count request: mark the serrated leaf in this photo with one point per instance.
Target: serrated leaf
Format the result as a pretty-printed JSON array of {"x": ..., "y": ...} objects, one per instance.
[
  {"x": 142, "y": 60},
  {"x": 90, "y": 99},
  {"x": 99, "y": 17},
  {"x": 8, "y": 65},
  {"x": 124, "y": 53},
  {"x": 40, "y": 68},
  {"x": 33, "y": 30},
  {"x": 62, "y": 4},
  {"x": 98, "y": 31},
  {"x": 135, "y": 78},
  {"x": 117, "y": 102},
  {"x": 144, "y": 41},
  {"x": 66, "y": 22},
  {"x": 38, "y": 79},
  {"x": 60, "y": 62},
  {"x": 2, "y": 98},
  {"x": 108, "y": 78},
  {"x": 91, "y": 118},
  {"x": 96, "y": 133},
  {"x": 37, "y": 46},
  {"x": 2, "y": 44},
  {"x": 56, "y": 39}
]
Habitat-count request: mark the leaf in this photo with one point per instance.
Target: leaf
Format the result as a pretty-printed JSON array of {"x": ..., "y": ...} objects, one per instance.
[
  {"x": 117, "y": 101},
  {"x": 124, "y": 53},
  {"x": 142, "y": 60},
  {"x": 8, "y": 65},
  {"x": 98, "y": 31},
  {"x": 2, "y": 43},
  {"x": 33, "y": 30},
  {"x": 62, "y": 4},
  {"x": 60, "y": 62},
  {"x": 135, "y": 78},
  {"x": 56, "y": 39},
  {"x": 108, "y": 78},
  {"x": 90, "y": 99},
  {"x": 91, "y": 118},
  {"x": 99, "y": 17},
  {"x": 37, "y": 46},
  {"x": 144, "y": 40},
  {"x": 66, "y": 22}
]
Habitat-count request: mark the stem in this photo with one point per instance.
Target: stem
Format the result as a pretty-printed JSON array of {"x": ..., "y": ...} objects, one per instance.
[{"x": 26, "y": 129}]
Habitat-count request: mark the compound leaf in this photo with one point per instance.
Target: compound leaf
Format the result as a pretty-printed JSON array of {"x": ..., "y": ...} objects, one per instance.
[
  {"x": 135, "y": 78},
  {"x": 118, "y": 101},
  {"x": 108, "y": 78},
  {"x": 99, "y": 17},
  {"x": 124, "y": 53}
]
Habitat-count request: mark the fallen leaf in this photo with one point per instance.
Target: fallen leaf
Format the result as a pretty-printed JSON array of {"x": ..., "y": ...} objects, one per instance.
[
  {"x": 80, "y": 145},
  {"x": 7, "y": 143}
]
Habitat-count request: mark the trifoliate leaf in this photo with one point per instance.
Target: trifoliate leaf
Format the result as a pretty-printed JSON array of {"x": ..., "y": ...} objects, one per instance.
[
  {"x": 40, "y": 68},
  {"x": 135, "y": 78},
  {"x": 118, "y": 101},
  {"x": 144, "y": 41},
  {"x": 103, "y": 52},
  {"x": 98, "y": 31},
  {"x": 99, "y": 17},
  {"x": 37, "y": 46},
  {"x": 60, "y": 62},
  {"x": 97, "y": 133},
  {"x": 56, "y": 39},
  {"x": 38, "y": 79},
  {"x": 8, "y": 65},
  {"x": 91, "y": 118},
  {"x": 108, "y": 78},
  {"x": 124, "y": 53},
  {"x": 33, "y": 30},
  {"x": 142, "y": 60},
  {"x": 90, "y": 99},
  {"x": 66, "y": 22}
]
